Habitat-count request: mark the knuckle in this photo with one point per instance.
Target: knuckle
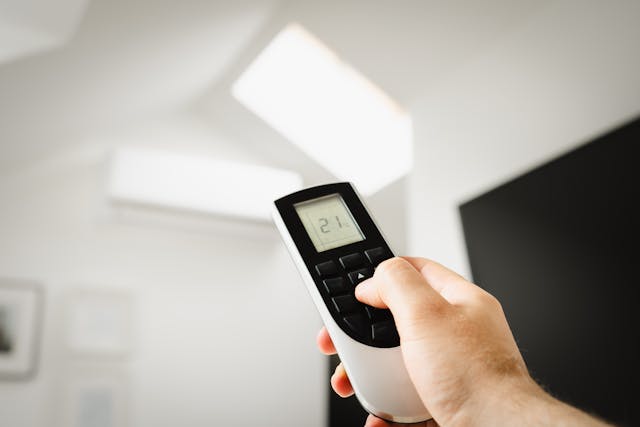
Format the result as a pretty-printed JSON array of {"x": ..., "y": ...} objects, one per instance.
[
  {"x": 428, "y": 266},
  {"x": 388, "y": 271},
  {"x": 391, "y": 265},
  {"x": 490, "y": 301}
]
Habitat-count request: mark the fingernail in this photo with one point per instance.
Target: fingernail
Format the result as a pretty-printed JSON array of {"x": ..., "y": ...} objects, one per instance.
[
  {"x": 335, "y": 371},
  {"x": 363, "y": 287}
]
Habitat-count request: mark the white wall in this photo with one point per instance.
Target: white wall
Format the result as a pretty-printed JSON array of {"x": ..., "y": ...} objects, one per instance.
[
  {"x": 224, "y": 334},
  {"x": 223, "y": 330},
  {"x": 569, "y": 73}
]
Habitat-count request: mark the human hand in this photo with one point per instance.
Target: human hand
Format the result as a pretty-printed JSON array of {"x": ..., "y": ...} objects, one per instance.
[{"x": 455, "y": 341}]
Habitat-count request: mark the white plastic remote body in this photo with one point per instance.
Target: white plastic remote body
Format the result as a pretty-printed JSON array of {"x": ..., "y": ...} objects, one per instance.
[{"x": 336, "y": 244}]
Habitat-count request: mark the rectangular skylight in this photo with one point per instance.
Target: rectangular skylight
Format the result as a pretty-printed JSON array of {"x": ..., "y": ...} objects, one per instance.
[
  {"x": 196, "y": 183},
  {"x": 328, "y": 109}
]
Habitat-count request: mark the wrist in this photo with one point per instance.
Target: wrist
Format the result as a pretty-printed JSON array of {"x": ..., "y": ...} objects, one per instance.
[{"x": 501, "y": 402}]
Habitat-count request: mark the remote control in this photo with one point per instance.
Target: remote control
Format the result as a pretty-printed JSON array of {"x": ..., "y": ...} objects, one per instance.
[{"x": 336, "y": 244}]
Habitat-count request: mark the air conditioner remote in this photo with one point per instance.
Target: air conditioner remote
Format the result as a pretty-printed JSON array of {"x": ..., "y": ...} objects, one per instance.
[{"x": 336, "y": 244}]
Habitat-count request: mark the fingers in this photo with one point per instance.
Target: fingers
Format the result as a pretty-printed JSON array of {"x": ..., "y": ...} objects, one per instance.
[
  {"x": 393, "y": 277},
  {"x": 324, "y": 342},
  {"x": 373, "y": 421},
  {"x": 436, "y": 274},
  {"x": 340, "y": 382},
  {"x": 398, "y": 285},
  {"x": 453, "y": 287}
]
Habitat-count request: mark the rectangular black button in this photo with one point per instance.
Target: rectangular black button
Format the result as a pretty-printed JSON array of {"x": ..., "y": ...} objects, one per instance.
[
  {"x": 345, "y": 303},
  {"x": 384, "y": 331},
  {"x": 376, "y": 255},
  {"x": 328, "y": 268},
  {"x": 335, "y": 285},
  {"x": 352, "y": 261},
  {"x": 357, "y": 323},
  {"x": 359, "y": 275},
  {"x": 376, "y": 314}
]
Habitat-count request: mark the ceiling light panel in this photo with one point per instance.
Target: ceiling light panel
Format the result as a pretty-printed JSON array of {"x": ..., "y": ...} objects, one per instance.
[{"x": 328, "y": 109}]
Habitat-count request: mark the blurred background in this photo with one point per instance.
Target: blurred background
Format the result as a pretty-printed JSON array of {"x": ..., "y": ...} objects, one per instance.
[{"x": 141, "y": 281}]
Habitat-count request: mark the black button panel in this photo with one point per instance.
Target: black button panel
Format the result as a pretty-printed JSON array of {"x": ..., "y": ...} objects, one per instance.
[{"x": 337, "y": 281}]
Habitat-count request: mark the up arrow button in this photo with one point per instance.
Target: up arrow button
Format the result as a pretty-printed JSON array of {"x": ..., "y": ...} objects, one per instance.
[{"x": 359, "y": 275}]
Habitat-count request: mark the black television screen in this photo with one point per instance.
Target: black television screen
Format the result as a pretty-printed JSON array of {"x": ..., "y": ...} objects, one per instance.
[{"x": 558, "y": 247}]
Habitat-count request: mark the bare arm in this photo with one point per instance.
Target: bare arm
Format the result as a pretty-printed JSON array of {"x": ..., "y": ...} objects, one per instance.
[{"x": 458, "y": 349}]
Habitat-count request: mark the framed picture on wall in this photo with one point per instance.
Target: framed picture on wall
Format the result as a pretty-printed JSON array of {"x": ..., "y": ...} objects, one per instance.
[
  {"x": 95, "y": 397},
  {"x": 99, "y": 322},
  {"x": 20, "y": 321}
]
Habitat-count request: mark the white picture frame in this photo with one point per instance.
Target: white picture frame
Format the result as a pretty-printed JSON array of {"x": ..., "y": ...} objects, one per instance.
[
  {"x": 95, "y": 398},
  {"x": 99, "y": 323},
  {"x": 21, "y": 305}
]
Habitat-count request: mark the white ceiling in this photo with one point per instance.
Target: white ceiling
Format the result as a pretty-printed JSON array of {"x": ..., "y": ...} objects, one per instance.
[
  {"x": 404, "y": 49},
  {"x": 30, "y": 26},
  {"x": 133, "y": 59},
  {"x": 128, "y": 59}
]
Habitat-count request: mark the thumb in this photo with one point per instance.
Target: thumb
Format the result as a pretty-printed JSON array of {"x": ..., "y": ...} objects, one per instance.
[{"x": 399, "y": 286}]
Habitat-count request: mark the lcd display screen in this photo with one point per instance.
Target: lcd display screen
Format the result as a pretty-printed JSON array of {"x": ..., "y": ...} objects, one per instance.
[{"x": 328, "y": 222}]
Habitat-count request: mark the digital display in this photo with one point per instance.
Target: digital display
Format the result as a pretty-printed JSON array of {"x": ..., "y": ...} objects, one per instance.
[{"x": 328, "y": 222}]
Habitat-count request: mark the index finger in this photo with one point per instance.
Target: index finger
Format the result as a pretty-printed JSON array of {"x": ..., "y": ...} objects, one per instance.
[
  {"x": 399, "y": 286},
  {"x": 452, "y": 286}
]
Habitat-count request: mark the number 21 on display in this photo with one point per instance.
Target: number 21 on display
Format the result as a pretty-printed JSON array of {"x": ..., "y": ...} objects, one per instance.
[{"x": 324, "y": 224}]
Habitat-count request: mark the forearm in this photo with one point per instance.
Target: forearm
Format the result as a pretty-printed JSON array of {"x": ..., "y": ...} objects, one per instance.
[
  {"x": 562, "y": 415},
  {"x": 524, "y": 404}
]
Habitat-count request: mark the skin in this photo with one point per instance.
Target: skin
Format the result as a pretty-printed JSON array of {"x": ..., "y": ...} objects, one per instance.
[{"x": 458, "y": 350}]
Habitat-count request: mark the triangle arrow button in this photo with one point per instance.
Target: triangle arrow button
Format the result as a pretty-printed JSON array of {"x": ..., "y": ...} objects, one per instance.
[{"x": 359, "y": 275}]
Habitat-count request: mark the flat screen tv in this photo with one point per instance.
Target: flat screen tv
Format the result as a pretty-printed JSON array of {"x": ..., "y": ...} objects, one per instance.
[{"x": 560, "y": 247}]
